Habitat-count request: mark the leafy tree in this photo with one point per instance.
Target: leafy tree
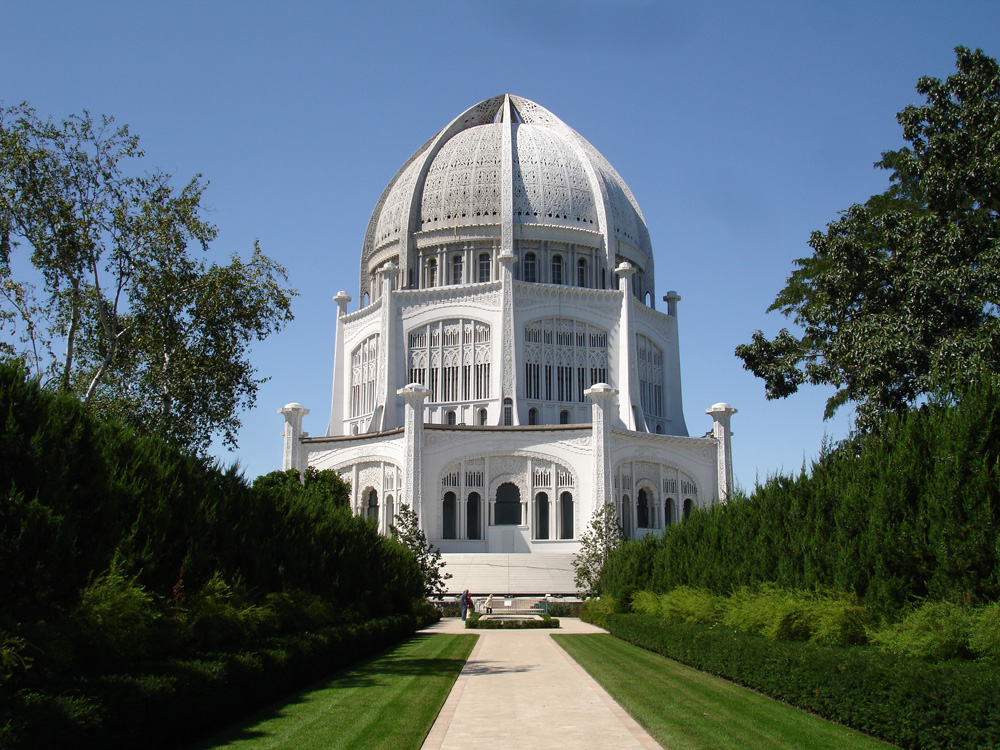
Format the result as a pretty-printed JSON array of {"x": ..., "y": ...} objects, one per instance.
[
  {"x": 407, "y": 531},
  {"x": 125, "y": 315},
  {"x": 603, "y": 535},
  {"x": 900, "y": 297}
]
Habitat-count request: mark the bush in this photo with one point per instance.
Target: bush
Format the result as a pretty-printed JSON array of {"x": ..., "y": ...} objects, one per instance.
[
  {"x": 646, "y": 603},
  {"x": 565, "y": 609},
  {"x": 984, "y": 636},
  {"x": 824, "y": 618},
  {"x": 596, "y": 611},
  {"x": 116, "y": 619},
  {"x": 933, "y": 631},
  {"x": 692, "y": 605},
  {"x": 905, "y": 701},
  {"x": 475, "y": 622}
]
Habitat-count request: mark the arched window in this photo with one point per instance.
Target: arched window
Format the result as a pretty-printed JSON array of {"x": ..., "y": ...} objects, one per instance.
[
  {"x": 671, "y": 509},
  {"x": 484, "y": 267},
  {"x": 604, "y": 278},
  {"x": 581, "y": 272},
  {"x": 409, "y": 277},
  {"x": 541, "y": 516},
  {"x": 627, "y": 516},
  {"x": 530, "y": 270},
  {"x": 642, "y": 510},
  {"x": 508, "y": 412},
  {"x": 371, "y": 509},
  {"x": 448, "y": 508},
  {"x": 456, "y": 270},
  {"x": 564, "y": 417},
  {"x": 557, "y": 269},
  {"x": 432, "y": 272},
  {"x": 532, "y": 416},
  {"x": 566, "y": 515},
  {"x": 483, "y": 416},
  {"x": 507, "y": 509},
  {"x": 390, "y": 510},
  {"x": 688, "y": 505},
  {"x": 451, "y": 417},
  {"x": 472, "y": 512}
]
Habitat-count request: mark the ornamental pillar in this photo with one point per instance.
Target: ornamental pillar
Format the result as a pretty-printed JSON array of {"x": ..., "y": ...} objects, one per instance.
[
  {"x": 629, "y": 411},
  {"x": 294, "y": 457},
  {"x": 411, "y": 493},
  {"x": 602, "y": 395},
  {"x": 341, "y": 363},
  {"x": 721, "y": 414}
]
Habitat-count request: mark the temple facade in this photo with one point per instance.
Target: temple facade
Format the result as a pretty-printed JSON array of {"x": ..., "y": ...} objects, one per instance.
[{"x": 506, "y": 370}]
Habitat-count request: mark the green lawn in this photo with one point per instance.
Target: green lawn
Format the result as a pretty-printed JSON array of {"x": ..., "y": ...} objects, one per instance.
[
  {"x": 684, "y": 709},
  {"x": 389, "y": 701}
]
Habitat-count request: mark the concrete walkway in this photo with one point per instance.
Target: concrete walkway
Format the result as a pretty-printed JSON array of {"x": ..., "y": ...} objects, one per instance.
[{"x": 520, "y": 690}]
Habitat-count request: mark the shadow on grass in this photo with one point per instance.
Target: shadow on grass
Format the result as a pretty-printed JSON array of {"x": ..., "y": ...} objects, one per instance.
[{"x": 370, "y": 673}]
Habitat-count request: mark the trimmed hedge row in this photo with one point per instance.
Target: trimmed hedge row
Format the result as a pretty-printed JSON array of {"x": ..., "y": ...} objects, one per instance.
[
  {"x": 173, "y": 702},
  {"x": 902, "y": 700},
  {"x": 475, "y": 622}
]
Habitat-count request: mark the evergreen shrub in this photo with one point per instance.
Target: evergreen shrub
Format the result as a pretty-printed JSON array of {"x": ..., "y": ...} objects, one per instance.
[
  {"x": 692, "y": 605},
  {"x": 596, "y": 611},
  {"x": 934, "y": 631},
  {"x": 475, "y": 622}
]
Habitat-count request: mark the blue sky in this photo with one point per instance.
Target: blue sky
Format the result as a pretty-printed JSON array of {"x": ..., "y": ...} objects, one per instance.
[{"x": 740, "y": 128}]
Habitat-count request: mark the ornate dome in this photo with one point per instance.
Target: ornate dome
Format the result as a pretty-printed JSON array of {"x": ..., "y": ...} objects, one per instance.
[{"x": 506, "y": 151}]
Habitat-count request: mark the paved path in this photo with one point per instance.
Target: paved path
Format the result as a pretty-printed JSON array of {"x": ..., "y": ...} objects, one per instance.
[{"x": 519, "y": 689}]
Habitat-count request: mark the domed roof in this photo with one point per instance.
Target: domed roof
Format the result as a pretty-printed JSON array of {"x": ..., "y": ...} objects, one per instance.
[{"x": 507, "y": 149}]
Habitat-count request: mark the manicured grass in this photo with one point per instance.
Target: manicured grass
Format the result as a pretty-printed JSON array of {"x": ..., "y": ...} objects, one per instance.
[
  {"x": 684, "y": 709},
  {"x": 389, "y": 701}
]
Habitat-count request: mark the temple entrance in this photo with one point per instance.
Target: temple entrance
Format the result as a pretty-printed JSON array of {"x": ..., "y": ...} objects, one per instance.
[{"x": 507, "y": 509}]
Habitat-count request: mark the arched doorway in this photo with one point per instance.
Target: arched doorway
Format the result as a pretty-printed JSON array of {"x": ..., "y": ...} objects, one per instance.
[
  {"x": 642, "y": 510},
  {"x": 472, "y": 514},
  {"x": 541, "y": 516},
  {"x": 449, "y": 506},
  {"x": 507, "y": 510},
  {"x": 371, "y": 506},
  {"x": 566, "y": 515}
]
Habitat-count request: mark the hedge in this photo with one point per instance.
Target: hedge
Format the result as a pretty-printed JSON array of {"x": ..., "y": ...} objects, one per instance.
[
  {"x": 166, "y": 704},
  {"x": 902, "y": 700},
  {"x": 474, "y": 622}
]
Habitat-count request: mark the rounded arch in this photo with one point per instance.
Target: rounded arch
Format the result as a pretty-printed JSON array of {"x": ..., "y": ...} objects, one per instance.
[
  {"x": 371, "y": 504},
  {"x": 532, "y": 416},
  {"x": 567, "y": 523},
  {"x": 474, "y": 516},
  {"x": 541, "y": 516},
  {"x": 626, "y": 516},
  {"x": 643, "y": 508},
  {"x": 507, "y": 509},
  {"x": 688, "y": 507},
  {"x": 449, "y": 512},
  {"x": 483, "y": 416},
  {"x": 670, "y": 511}
]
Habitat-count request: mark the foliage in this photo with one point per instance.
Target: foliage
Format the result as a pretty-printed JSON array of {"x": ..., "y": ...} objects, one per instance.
[
  {"x": 934, "y": 631},
  {"x": 407, "y": 531},
  {"x": 905, "y": 701},
  {"x": 116, "y": 618},
  {"x": 829, "y": 619},
  {"x": 564, "y": 609},
  {"x": 476, "y": 622},
  {"x": 906, "y": 513},
  {"x": 130, "y": 320},
  {"x": 984, "y": 638},
  {"x": 603, "y": 535},
  {"x": 596, "y": 611},
  {"x": 900, "y": 297},
  {"x": 691, "y": 605}
]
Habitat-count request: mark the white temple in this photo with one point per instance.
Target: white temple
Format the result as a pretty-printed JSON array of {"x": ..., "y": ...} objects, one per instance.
[{"x": 507, "y": 370}]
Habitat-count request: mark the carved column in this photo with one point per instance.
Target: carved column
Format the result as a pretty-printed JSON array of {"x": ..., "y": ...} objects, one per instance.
[
  {"x": 413, "y": 397},
  {"x": 385, "y": 412},
  {"x": 341, "y": 362},
  {"x": 602, "y": 395},
  {"x": 508, "y": 378},
  {"x": 293, "y": 456},
  {"x": 628, "y": 376},
  {"x": 721, "y": 414}
]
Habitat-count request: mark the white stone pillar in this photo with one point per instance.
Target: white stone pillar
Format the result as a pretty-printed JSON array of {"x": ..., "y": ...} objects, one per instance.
[
  {"x": 628, "y": 375},
  {"x": 602, "y": 395},
  {"x": 341, "y": 364},
  {"x": 721, "y": 414},
  {"x": 508, "y": 377},
  {"x": 293, "y": 456},
  {"x": 413, "y": 397},
  {"x": 384, "y": 416}
]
